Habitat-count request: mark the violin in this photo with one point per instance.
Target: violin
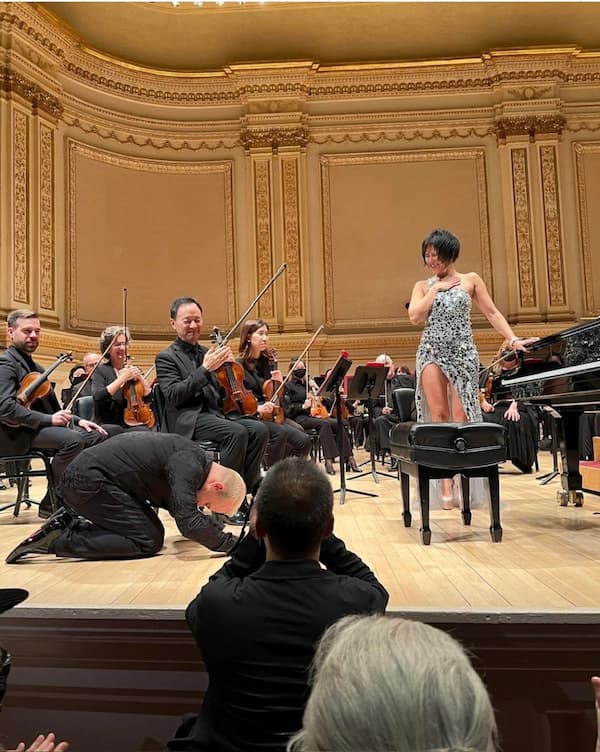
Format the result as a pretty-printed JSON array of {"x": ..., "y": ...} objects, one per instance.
[
  {"x": 236, "y": 398},
  {"x": 273, "y": 392},
  {"x": 317, "y": 408},
  {"x": 35, "y": 386},
  {"x": 137, "y": 412}
]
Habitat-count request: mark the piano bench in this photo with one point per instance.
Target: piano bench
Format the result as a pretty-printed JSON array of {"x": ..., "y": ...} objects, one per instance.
[{"x": 429, "y": 451}]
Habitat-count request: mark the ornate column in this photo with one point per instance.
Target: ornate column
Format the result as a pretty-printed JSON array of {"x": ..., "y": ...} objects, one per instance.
[
  {"x": 29, "y": 114},
  {"x": 528, "y": 136},
  {"x": 274, "y": 135}
]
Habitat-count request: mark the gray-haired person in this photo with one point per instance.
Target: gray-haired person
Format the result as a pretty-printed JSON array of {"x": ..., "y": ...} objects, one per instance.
[{"x": 382, "y": 684}]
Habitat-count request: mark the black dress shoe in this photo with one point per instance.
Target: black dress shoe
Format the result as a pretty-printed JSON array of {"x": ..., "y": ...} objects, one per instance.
[
  {"x": 329, "y": 467},
  {"x": 41, "y": 542},
  {"x": 45, "y": 509}
]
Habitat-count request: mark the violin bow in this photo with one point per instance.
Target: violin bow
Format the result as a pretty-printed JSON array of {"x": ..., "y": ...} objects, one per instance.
[
  {"x": 269, "y": 284},
  {"x": 90, "y": 374},
  {"x": 298, "y": 359}
]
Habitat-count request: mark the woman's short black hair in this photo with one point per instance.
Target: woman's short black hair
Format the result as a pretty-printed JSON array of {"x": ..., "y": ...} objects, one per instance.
[{"x": 445, "y": 243}]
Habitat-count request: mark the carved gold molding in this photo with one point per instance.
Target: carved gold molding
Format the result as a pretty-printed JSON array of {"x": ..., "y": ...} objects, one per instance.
[
  {"x": 252, "y": 138},
  {"x": 552, "y": 226},
  {"x": 261, "y": 169},
  {"x": 13, "y": 82},
  {"x": 46, "y": 217},
  {"x": 21, "y": 206},
  {"x": 528, "y": 125},
  {"x": 591, "y": 308},
  {"x": 433, "y": 155},
  {"x": 522, "y": 214},
  {"x": 75, "y": 150},
  {"x": 291, "y": 236}
]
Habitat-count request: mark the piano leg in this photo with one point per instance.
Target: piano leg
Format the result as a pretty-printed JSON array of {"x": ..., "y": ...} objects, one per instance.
[{"x": 568, "y": 444}]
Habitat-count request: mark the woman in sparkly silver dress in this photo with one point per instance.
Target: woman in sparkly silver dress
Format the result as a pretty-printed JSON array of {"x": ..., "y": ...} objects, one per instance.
[{"x": 447, "y": 367}]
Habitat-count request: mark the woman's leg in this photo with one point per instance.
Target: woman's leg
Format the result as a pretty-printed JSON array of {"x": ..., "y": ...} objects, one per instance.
[{"x": 435, "y": 387}]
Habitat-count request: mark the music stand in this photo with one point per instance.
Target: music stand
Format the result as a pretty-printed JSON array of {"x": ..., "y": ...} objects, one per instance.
[
  {"x": 368, "y": 380},
  {"x": 331, "y": 388}
]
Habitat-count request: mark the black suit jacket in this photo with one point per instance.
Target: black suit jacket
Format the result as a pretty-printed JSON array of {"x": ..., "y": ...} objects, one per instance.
[
  {"x": 18, "y": 424},
  {"x": 187, "y": 389},
  {"x": 257, "y": 624}
]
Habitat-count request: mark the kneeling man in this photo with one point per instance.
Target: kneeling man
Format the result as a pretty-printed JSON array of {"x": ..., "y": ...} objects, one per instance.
[{"x": 114, "y": 486}]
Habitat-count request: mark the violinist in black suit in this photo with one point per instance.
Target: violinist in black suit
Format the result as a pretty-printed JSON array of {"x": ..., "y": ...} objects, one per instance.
[
  {"x": 44, "y": 425},
  {"x": 193, "y": 406}
]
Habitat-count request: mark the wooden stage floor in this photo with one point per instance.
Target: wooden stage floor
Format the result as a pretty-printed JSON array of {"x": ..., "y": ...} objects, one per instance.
[{"x": 548, "y": 561}]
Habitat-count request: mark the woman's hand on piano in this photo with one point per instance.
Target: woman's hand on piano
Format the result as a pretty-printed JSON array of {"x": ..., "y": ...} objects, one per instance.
[{"x": 521, "y": 343}]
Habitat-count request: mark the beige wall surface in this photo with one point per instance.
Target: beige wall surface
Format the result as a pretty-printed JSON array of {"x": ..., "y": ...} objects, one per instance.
[{"x": 115, "y": 175}]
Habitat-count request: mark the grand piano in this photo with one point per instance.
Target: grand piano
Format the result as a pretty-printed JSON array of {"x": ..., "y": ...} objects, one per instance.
[{"x": 562, "y": 373}]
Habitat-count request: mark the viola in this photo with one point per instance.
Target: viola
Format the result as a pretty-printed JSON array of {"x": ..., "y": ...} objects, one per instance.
[
  {"x": 35, "y": 386},
  {"x": 236, "y": 398}
]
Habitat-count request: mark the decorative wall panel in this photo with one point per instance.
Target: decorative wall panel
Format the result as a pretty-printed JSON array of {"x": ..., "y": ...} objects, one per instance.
[
  {"x": 263, "y": 232},
  {"x": 46, "y": 217},
  {"x": 523, "y": 231},
  {"x": 161, "y": 229},
  {"x": 21, "y": 259},
  {"x": 377, "y": 208},
  {"x": 294, "y": 307},
  {"x": 587, "y": 160}
]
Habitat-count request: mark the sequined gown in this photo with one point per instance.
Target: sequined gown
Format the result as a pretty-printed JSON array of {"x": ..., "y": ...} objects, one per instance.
[{"x": 447, "y": 340}]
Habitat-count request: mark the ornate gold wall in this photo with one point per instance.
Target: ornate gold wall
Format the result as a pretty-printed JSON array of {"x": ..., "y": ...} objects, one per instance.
[{"x": 203, "y": 184}]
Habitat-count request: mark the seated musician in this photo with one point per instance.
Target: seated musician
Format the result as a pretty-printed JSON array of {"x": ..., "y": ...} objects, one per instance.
[
  {"x": 43, "y": 425},
  {"x": 385, "y": 415},
  {"x": 520, "y": 420},
  {"x": 286, "y": 437},
  {"x": 112, "y": 382},
  {"x": 77, "y": 375},
  {"x": 302, "y": 406},
  {"x": 186, "y": 374}
]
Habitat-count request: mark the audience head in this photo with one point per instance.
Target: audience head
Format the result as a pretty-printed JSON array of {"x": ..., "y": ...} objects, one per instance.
[
  {"x": 381, "y": 683},
  {"x": 443, "y": 244},
  {"x": 294, "y": 509},
  {"x": 24, "y": 330}
]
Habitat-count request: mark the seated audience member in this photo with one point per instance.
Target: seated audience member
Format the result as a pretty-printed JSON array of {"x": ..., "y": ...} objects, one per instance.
[
  {"x": 258, "y": 619},
  {"x": 114, "y": 487},
  {"x": 381, "y": 683},
  {"x": 110, "y": 380},
  {"x": 10, "y": 597},
  {"x": 286, "y": 438},
  {"x": 43, "y": 425}
]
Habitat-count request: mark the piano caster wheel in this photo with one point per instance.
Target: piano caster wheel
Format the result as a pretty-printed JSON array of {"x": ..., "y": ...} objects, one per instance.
[
  {"x": 466, "y": 518},
  {"x": 426, "y": 537},
  {"x": 496, "y": 534},
  {"x": 575, "y": 497}
]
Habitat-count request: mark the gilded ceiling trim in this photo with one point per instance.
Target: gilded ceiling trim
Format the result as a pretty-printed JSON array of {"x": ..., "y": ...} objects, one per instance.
[
  {"x": 523, "y": 230},
  {"x": 552, "y": 225},
  {"x": 76, "y": 149},
  {"x": 20, "y": 168},
  {"x": 12, "y": 82},
  {"x": 433, "y": 155},
  {"x": 407, "y": 134},
  {"x": 252, "y": 138},
  {"x": 46, "y": 217},
  {"x": 581, "y": 151}
]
